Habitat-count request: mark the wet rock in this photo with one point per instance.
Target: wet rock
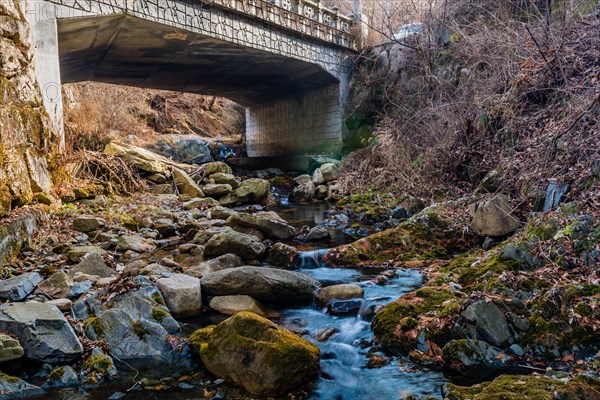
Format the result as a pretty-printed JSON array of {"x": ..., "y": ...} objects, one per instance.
[
  {"x": 227, "y": 179},
  {"x": 182, "y": 294},
  {"x": 487, "y": 321},
  {"x": 10, "y": 349},
  {"x": 274, "y": 229},
  {"x": 470, "y": 361},
  {"x": 15, "y": 388},
  {"x": 344, "y": 291},
  {"x": 318, "y": 234},
  {"x": 251, "y": 191},
  {"x": 400, "y": 212},
  {"x": 135, "y": 325},
  {"x": 56, "y": 286},
  {"x": 326, "y": 173},
  {"x": 274, "y": 360},
  {"x": 246, "y": 246},
  {"x": 283, "y": 256},
  {"x": 268, "y": 285},
  {"x": 216, "y": 167},
  {"x": 302, "y": 179},
  {"x": 88, "y": 223},
  {"x": 324, "y": 334},
  {"x": 216, "y": 264},
  {"x": 19, "y": 287},
  {"x": 231, "y": 305},
  {"x": 494, "y": 217},
  {"x": 165, "y": 228},
  {"x": 42, "y": 330},
  {"x": 303, "y": 193},
  {"x": 61, "y": 377},
  {"x": 186, "y": 185},
  {"x": 344, "y": 307},
  {"x": 216, "y": 190},
  {"x": 134, "y": 243},
  {"x": 77, "y": 253},
  {"x": 93, "y": 264}
]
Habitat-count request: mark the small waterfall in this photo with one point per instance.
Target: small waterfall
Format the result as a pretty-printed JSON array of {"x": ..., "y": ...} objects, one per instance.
[{"x": 313, "y": 259}]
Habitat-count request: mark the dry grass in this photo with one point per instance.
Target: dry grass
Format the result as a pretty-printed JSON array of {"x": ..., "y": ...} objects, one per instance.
[{"x": 509, "y": 91}]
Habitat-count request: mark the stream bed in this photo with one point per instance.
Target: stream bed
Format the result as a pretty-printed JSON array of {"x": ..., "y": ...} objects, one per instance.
[{"x": 344, "y": 374}]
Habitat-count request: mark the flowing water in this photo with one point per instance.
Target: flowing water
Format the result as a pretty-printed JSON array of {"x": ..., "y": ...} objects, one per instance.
[{"x": 344, "y": 374}]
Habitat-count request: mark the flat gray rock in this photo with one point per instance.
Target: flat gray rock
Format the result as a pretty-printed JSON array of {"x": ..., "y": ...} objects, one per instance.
[
  {"x": 19, "y": 287},
  {"x": 42, "y": 330}
]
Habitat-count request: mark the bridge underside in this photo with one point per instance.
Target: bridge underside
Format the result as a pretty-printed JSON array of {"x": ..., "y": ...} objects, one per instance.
[
  {"x": 293, "y": 106},
  {"x": 121, "y": 49}
]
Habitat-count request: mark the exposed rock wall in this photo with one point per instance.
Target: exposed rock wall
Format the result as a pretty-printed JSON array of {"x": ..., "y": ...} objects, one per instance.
[{"x": 28, "y": 140}]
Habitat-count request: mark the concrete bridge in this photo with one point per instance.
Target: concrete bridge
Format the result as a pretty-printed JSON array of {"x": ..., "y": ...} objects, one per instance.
[{"x": 286, "y": 61}]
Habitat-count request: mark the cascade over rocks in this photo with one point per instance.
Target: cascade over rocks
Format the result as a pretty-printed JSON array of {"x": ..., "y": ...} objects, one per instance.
[{"x": 252, "y": 352}]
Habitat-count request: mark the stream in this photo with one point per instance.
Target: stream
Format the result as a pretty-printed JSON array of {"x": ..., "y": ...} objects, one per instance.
[{"x": 344, "y": 374}]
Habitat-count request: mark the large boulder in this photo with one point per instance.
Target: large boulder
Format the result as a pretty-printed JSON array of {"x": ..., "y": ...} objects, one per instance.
[
  {"x": 247, "y": 247},
  {"x": 182, "y": 294},
  {"x": 490, "y": 322},
  {"x": 303, "y": 193},
  {"x": 231, "y": 305},
  {"x": 93, "y": 264},
  {"x": 186, "y": 185},
  {"x": 10, "y": 349},
  {"x": 252, "y": 352},
  {"x": 269, "y": 285},
  {"x": 251, "y": 191},
  {"x": 471, "y": 361},
  {"x": 135, "y": 324},
  {"x": 189, "y": 149},
  {"x": 345, "y": 291},
  {"x": 274, "y": 229},
  {"x": 42, "y": 330},
  {"x": 19, "y": 287},
  {"x": 216, "y": 264},
  {"x": 494, "y": 217},
  {"x": 140, "y": 158},
  {"x": 326, "y": 173}
]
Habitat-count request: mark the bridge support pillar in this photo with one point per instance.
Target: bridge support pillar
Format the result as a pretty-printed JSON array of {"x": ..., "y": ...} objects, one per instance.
[
  {"x": 308, "y": 123},
  {"x": 41, "y": 17}
]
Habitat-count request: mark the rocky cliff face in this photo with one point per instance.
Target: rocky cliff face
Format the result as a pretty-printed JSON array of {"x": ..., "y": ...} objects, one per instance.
[{"x": 28, "y": 141}]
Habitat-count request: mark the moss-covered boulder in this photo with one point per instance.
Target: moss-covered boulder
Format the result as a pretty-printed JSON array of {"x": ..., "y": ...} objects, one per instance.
[
  {"x": 254, "y": 353},
  {"x": 251, "y": 191},
  {"x": 426, "y": 236},
  {"x": 532, "y": 387},
  {"x": 420, "y": 320}
]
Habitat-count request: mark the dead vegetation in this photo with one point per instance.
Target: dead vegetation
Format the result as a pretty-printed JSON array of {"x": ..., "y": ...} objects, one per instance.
[{"x": 513, "y": 86}]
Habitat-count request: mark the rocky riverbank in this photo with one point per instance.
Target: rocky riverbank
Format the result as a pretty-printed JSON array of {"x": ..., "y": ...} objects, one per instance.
[{"x": 110, "y": 284}]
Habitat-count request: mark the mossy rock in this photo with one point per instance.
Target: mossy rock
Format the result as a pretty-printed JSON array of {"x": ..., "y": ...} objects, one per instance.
[
  {"x": 252, "y": 352},
  {"x": 531, "y": 387},
  {"x": 398, "y": 325},
  {"x": 428, "y": 235}
]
